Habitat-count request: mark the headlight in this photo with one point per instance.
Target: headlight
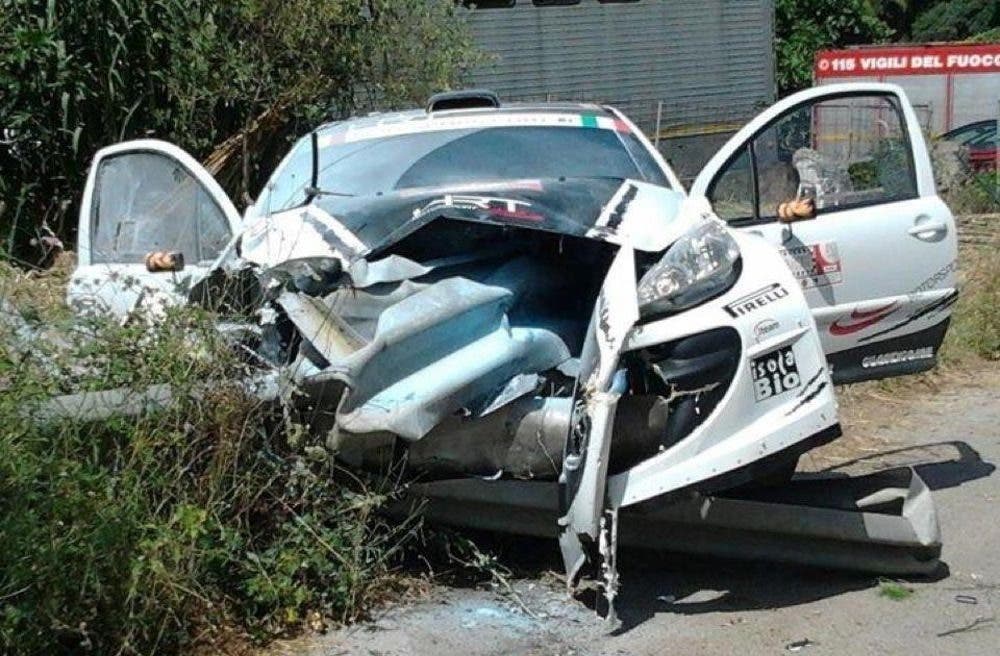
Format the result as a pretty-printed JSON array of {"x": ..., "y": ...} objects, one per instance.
[{"x": 702, "y": 264}]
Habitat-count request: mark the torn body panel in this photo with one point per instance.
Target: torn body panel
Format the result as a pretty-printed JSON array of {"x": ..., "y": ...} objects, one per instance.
[
  {"x": 779, "y": 392},
  {"x": 446, "y": 347},
  {"x": 587, "y": 519}
]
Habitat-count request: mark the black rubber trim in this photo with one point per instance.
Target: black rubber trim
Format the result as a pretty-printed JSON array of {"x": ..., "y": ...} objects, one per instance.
[{"x": 847, "y": 366}]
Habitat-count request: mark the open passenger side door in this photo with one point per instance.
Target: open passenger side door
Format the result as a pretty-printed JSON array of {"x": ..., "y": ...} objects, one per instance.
[
  {"x": 877, "y": 262},
  {"x": 145, "y": 197}
]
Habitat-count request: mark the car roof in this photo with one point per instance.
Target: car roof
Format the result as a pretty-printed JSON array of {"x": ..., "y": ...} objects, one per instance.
[{"x": 382, "y": 118}]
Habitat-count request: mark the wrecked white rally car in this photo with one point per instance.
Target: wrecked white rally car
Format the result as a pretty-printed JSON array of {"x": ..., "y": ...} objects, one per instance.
[{"x": 504, "y": 293}]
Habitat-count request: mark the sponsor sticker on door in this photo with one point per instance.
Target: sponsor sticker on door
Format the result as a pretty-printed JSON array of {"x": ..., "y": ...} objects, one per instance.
[
  {"x": 814, "y": 265},
  {"x": 860, "y": 319}
]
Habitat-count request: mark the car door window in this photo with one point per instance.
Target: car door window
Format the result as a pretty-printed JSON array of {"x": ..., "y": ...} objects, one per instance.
[
  {"x": 733, "y": 195},
  {"x": 844, "y": 152},
  {"x": 147, "y": 201}
]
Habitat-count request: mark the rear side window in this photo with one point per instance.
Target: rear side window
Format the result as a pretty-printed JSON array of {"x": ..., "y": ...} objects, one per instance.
[
  {"x": 145, "y": 202},
  {"x": 970, "y": 133},
  {"x": 985, "y": 139},
  {"x": 845, "y": 152}
]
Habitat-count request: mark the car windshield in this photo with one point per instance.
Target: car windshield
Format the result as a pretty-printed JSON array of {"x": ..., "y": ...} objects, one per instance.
[{"x": 455, "y": 157}]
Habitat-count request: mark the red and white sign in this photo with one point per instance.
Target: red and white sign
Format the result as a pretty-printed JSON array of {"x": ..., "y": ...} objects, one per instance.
[{"x": 908, "y": 60}]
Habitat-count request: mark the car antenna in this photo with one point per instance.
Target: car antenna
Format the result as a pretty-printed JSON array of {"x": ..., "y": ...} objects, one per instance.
[{"x": 313, "y": 190}]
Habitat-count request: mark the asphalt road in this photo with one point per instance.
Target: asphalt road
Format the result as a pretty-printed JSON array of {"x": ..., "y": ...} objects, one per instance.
[{"x": 678, "y": 604}]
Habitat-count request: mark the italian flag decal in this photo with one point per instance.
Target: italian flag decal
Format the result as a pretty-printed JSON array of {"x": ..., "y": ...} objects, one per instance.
[
  {"x": 395, "y": 126},
  {"x": 603, "y": 122}
]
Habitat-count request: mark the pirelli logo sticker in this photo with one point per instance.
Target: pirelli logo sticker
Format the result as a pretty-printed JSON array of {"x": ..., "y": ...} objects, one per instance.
[{"x": 754, "y": 300}]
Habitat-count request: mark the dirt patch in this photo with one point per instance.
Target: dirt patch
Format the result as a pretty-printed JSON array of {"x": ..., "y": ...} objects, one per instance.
[{"x": 874, "y": 415}]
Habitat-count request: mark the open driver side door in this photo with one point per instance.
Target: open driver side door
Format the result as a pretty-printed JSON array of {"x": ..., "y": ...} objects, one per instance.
[
  {"x": 877, "y": 262},
  {"x": 144, "y": 197}
]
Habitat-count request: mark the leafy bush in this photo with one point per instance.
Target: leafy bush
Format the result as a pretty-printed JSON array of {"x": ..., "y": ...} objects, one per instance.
[
  {"x": 802, "y": 27},
  {"x": 147, "y": 534},
  {"x": 991, "y": 35},
  {"x": 956, "y": 20},
  {"x": 248, "y": 74},
  {"x": 977, "y": 195}
]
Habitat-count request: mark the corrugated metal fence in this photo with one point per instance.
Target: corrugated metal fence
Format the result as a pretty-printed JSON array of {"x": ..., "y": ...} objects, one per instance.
[{"x": 707, "y": 61}]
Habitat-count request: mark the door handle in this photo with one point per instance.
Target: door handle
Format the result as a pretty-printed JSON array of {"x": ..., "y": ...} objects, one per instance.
[{"x": 924, "y": 228}]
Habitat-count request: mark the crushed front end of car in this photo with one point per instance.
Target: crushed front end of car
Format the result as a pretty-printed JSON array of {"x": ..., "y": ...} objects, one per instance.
[{"x": 607, "y": 336}]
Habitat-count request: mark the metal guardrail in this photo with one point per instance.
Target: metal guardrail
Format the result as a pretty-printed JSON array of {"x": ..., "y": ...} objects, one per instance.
[{"x": 884, "y": 523}]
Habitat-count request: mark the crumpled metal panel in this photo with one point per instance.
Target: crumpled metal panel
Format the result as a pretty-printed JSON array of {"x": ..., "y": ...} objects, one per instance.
[
  {"x": 328, "y": 333},
  {"x": 362, "y": 308},
  {"x": 412, "y": 406},
  {"x": 435, "y": 352},
  {"x": 393, "y": 268}
]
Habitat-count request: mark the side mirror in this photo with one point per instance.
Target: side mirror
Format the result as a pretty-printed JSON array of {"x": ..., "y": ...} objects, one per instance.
[{"x": 164, "y": 261}]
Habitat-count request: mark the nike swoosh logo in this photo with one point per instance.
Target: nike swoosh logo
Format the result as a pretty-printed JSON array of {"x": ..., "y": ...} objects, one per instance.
[{"x": 861, "y": 319}]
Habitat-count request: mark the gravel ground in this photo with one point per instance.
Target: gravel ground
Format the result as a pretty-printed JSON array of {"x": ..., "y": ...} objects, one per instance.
[{"x": 678, "y": 604}]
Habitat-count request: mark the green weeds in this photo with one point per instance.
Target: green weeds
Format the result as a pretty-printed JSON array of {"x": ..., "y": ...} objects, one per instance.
[
  {"x": 894, "y": 590},
  {"x": 979, "y": 194},
  {"x": 162, "y": 532}
]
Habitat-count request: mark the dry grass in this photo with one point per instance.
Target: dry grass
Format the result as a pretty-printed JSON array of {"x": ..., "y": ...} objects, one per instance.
[
  {"x": 971, "y": 348},
  {"x": 39, "y": 294}
]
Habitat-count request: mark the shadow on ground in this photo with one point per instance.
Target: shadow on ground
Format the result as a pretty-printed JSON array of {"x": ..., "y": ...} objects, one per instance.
[
  {"x": 932, "y": 463},
  {"x": 690, "y": 586}
]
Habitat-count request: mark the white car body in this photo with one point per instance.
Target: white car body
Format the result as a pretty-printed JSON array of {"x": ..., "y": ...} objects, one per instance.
[{"x": 866, "y": 289}]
